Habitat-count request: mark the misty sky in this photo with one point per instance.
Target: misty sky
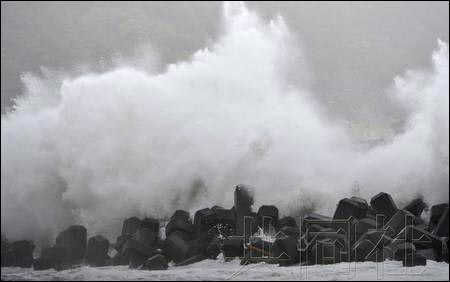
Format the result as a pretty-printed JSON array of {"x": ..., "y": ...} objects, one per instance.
[{"x": 352, "y": 51}]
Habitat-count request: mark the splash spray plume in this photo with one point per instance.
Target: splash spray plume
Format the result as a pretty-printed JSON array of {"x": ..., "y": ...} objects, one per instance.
[{"x": 97, "y": 148}]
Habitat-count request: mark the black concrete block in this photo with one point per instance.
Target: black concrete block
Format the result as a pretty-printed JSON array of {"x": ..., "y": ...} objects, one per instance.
[
  {"x": 180, "y": 221},
  {"x": 317, "y": 217},
  {"x": 8, "y": 258},
  {"x": 400, "y": 250},
  {"x": 423, "y": 240},
  {"x": 286, "y": 221},
  {"x": 74, "y": 240},
  {"x": 325, "y": 251},
  {"x": 134, "y": 245},
  {"x": 348, "y": 227},
  {"x": 361, "y": 202},
  {"x": 182, "y": 226},
  {"x": 232, "y": 248},
  {"x": 5, "y": 244},
  {"x": 66, "y": 266},
  {"x": 202, "y": 242},
  {"x": 363, "y": 225},
  {"x": 121, "y": 240},
  {"x": 383, "y": 204},
  {"x": 146, "y": 236},
  {"x": 156, "y": 262},
  {"x": 22, "y": 248},
  {"x": 135, "y": 259},
  {"x": 131, "y": 225},
  {"x": 151, "y": 223},
  {"x": 18, "y": 253},
  {"x": 371, "y": 213},
  {"x": 435, "y": 215},
  {"x": 416, "y": 207},
  {"x": 445, "y": 254},
  {"x": 285, "y": 251},
  {"x": 437, "y": 211},
  {"x": 56, "y": 252},
  {"x": 50, "y": 257},
  {"x": 24, "y": 262},
  {"x": 204, "y": 220},
  {"x": 137, "y": 253},
  {"x": 214, "y": 248},
  {"x": 379, "y": 238},
  {"x": 318, "y": 228},
  {"x": 340, "y": 238},
  {"x": 378, "y": 255},
  {"x": 23, "y": 253},
  {"x": 442, "y": 228},
  {"x": 429, "y": 254},
  {"x": 241, "y": 216},
  {"x": 349, "y": 208},
  {"x": 420, "y": 223},
  {"x": 177, "y": 248},
  {"x": 414, "y": 260},
  {"x": 258, "y": 248},
  {"x": 7, "y": 255},
  {"x": 368, "y": 243},
  {"x": 361, "y": 250},
  {"x": 43, "y": 264},
  {"x": 119, "y": 259},
  {"x": 318, "y": 223},
  {"x": 290, "y": 231},
  {"x": 97, "y": 251},
  {"x": 317, "y": 220},
  {"x": 181, "y": 215},
  {"x": 267, "y": 217},
  {"x": 243, "y": 197},
  {"x": 159, "y": 243},
  {"x": 226, "y": 219},
  {"x": 246, "y": 223},
  {"x": 398, "y": 222}
]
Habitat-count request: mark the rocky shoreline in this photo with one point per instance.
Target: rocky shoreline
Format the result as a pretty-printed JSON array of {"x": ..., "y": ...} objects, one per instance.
[{"x": 358, "y": 231}]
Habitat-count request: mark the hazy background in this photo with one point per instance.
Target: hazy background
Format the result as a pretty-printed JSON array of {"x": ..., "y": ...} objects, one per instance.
[{"x": 352, "y": 50}]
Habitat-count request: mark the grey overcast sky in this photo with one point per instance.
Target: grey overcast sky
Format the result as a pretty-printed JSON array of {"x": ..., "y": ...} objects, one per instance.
[{"x": 352, "y": 49}]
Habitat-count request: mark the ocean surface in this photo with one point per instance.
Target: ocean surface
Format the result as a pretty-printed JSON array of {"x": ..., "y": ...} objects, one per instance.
[{"x": 221, "y": 270}]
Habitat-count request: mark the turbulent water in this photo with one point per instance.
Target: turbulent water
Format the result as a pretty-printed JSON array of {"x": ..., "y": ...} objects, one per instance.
[
  {"x": 210, "y": 270},
  {"x": 97, "y": 148}
]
